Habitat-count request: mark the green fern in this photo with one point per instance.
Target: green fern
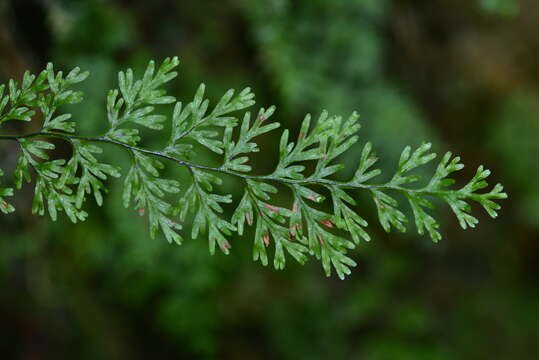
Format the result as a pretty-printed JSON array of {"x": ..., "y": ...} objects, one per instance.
[{"x": 300, "y": 230}]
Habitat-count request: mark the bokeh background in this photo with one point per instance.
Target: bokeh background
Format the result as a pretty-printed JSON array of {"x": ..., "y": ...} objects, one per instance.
[{"x": 462, "y": 73}]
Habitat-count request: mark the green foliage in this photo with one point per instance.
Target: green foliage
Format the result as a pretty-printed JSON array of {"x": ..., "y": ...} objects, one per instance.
[
  {"x": 5, "y": 207},
  {"x": 501, "y": 7},
  {"x": 306, "y": 168},
  {"x": 331, "y": 54},
  {"x": 513, "y": 140},
  {"x": 55, "y": 179}
]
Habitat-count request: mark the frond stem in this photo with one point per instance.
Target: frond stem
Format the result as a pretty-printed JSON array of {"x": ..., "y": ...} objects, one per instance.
[{"x": 190, "y": 165}]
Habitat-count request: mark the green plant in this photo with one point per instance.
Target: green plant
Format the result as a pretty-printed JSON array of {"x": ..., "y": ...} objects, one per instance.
[{"x": 301, "y": 229}]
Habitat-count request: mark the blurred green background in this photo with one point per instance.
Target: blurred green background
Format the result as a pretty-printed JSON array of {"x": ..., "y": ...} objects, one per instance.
[{"x": 462, "y": 73}]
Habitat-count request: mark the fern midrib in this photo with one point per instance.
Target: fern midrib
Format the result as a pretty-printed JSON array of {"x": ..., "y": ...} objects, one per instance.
[{"x": 307, "y": 181}]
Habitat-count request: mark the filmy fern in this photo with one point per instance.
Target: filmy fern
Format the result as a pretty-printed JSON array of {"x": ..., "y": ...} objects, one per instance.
[{"x": 306, "y": 166}]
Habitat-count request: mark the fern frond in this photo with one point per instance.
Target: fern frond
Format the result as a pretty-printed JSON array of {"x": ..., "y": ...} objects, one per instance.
[
  {"x": 205, "y": 205},
  {"x": 144, "y": 184},
  {"x": 310, "y": 225}
]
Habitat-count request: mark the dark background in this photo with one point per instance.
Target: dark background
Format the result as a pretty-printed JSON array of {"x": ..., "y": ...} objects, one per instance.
[{"x": 463, "y": 74}]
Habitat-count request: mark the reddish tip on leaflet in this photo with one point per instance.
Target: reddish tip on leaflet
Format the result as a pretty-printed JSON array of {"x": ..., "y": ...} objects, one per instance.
[
  {"x": 266, "y": 239},
  {"x": 272, "y": 208},
  {"x": 327, "y": 223},
  {"x": 226, "y": 245}
]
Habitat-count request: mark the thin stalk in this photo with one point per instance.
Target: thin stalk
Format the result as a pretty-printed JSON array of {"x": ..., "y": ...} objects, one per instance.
[{"x": 190, "y": 165}]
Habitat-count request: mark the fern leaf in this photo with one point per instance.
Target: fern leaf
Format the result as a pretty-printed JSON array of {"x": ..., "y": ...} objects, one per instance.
[{"x": 311, "y": 225}]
